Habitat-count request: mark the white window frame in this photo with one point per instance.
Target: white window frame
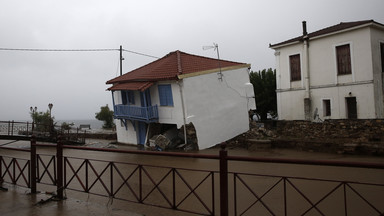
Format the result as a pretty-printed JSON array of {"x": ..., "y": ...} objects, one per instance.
[
  {"x": 324, "y": 108},
  {"x": 301, "y": 66}
]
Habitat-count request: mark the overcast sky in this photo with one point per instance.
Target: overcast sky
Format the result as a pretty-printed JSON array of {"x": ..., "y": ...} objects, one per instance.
[{"x": 75, "y": 81}]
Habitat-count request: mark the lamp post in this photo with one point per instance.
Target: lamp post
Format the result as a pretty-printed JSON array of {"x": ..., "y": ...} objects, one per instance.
[
  {"x": 50, "y": 105},
  {"x": 33, "y": 110}
]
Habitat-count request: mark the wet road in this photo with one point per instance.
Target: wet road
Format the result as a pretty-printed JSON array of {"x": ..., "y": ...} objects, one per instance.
[{"x": 334, "y": 173}]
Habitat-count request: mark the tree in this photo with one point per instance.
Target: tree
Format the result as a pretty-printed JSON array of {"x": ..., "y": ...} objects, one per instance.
[
  {"x": 66, "y": 126},
  {"x": 105, "y": 115},
  {"x": 264, "y": 85},
  {"x": 43, "y": 120}
]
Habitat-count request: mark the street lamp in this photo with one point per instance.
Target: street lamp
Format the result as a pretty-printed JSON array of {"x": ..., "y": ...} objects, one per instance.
[
  {"x": 50, "y": 117},
  {"x": 33, "y": 110},
  {"x": 50, "y": 109}
]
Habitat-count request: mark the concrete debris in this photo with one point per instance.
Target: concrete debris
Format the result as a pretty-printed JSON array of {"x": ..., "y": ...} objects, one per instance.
[{"x": 173, "y": 139}]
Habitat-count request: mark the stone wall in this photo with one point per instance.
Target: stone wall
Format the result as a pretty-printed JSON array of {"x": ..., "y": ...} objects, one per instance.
[
  {"x": 341, "y": 136},
  {"x": 349, "y": 130}
]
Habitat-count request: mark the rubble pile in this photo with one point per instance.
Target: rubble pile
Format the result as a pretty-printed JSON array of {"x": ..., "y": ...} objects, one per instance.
[{"x": 172, "y": 139}]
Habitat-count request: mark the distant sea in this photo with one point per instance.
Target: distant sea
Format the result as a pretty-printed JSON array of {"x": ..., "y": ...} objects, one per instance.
[{"x": 95, "y": 124}]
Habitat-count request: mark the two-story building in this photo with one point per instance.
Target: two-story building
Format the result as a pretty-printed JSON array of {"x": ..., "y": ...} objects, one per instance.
[
  {"x": 334, "y": 73},
  {"x": 178, "y": 89}
]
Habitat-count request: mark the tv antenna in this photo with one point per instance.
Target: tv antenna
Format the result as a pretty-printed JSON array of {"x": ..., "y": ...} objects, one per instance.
[{"x": 215, "y": 47}]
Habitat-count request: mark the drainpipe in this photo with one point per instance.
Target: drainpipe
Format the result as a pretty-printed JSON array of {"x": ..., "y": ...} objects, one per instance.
[
  {"x": 180, "y": 70},
  {"x": 307, "y": 97},
  {"x": 183, "y": 108}
]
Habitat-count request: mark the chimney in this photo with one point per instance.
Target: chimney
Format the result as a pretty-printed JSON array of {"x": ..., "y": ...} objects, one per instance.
[{"x": 305, "y": 28}]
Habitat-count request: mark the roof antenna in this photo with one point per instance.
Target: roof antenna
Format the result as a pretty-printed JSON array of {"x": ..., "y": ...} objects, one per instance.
[{"x": 215, "y": 47}]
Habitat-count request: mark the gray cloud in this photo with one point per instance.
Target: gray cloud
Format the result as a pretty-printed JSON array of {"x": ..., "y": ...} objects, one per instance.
[{"x": 75, "y": 81}]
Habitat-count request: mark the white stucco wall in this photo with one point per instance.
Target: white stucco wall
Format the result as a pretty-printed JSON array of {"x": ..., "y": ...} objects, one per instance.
[
  {"x": 218, "y": 109},
  {"x": 377, "y": 38},
  {"x": 169, "y": 114},
  {"x": 125, "y": 135},
  {"x": 324, "y": 81}
]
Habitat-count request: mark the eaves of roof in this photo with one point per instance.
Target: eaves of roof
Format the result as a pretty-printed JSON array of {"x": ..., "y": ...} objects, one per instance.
[
  {"x": 134, "y": 86},
  {"x": 198, "y": 73},
  {"x": 336, "y": 29}
]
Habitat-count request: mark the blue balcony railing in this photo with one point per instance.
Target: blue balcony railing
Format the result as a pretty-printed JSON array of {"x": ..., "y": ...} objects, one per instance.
[{"x": 147, "y": 114}]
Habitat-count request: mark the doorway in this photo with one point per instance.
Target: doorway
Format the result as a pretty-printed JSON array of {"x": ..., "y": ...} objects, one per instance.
[{"x": 351, "y": 107}]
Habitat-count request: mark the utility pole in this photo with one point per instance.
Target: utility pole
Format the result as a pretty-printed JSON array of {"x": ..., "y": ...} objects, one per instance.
[{"x": 121, "y": 60}]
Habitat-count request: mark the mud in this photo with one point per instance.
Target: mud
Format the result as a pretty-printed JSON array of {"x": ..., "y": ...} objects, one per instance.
[{"x": 83, "y": 204}]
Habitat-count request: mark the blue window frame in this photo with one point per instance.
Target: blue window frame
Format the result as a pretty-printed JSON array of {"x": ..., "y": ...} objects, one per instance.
[
  {"x": 165, "y": 95},
  {"x": 128, "y": 97}
]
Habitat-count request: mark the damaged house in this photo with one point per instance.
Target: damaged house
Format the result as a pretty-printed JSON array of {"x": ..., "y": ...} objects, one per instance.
[{"x": 210, "y": 97}]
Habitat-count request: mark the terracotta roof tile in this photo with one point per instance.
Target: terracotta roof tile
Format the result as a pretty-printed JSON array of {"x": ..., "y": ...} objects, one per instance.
[
  {"x": 135, "y": 86},
  {"x": 170, "y": 66},
  {"x": 328, "y": 30}
]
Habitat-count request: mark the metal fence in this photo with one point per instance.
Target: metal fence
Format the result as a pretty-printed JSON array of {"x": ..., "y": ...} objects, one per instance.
[
  {"x": 24, "y": 130},
  {"x": 220, "y": 191}
]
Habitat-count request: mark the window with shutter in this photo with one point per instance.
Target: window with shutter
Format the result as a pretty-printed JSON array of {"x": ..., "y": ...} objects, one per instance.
[
  {"x": 343, "y": 58},
  {"x": 165, "y": 95},
  {"x": 295, "y": 67}
]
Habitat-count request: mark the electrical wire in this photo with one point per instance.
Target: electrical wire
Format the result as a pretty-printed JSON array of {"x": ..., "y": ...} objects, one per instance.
[
  {"x": 130, "y": 51},
  {"x": 74, "y": 50},
  {"x": 57, "y": 50}
]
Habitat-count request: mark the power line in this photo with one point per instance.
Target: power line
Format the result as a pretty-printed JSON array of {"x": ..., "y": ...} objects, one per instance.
[
  {"x": 57, "y": 50},
  {"x": 74, "y": 50},
  {"x": 140, "y": 53}
]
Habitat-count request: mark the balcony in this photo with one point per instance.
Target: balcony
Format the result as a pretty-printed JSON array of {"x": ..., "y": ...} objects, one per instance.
[{"x": 145, "y": 114}]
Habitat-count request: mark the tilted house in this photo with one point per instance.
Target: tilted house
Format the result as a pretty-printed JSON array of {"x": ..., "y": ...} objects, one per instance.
[
  {"x": 334, "y": 73},
  {"x": 183, "y": 89}
]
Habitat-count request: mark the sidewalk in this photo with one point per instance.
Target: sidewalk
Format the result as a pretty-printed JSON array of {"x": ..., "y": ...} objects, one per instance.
[{"x": 16, "y": 201}]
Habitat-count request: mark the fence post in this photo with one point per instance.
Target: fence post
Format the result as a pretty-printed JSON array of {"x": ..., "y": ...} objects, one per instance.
[
  {"x": 13, "y": 124},
  {"x": 223, "y": 181},
  {"x": 33, "y": 164},
  {"x": 27, "y": 129},
  {"x": 59, "y": 158}
]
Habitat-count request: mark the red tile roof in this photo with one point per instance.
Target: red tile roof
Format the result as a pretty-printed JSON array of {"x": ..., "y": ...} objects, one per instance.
[
  {"x": 141, "y": 86},
  {"x": 328, "y": 30},
  {"x": 168, "y": 68}
]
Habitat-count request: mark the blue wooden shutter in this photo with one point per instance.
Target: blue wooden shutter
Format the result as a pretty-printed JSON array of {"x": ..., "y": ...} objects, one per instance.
[{"x": 165, "y": 95}]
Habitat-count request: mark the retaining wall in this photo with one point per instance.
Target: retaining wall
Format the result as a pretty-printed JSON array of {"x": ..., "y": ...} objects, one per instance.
[{"x": 343, "y": 135}]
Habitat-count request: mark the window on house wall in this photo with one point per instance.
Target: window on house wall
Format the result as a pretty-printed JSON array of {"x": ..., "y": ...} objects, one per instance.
[
  {"x": 382, "y": 56},
  {"x": 165, "y": 95},
  {"x": 326, "y": 107},
  {"x": 128, "y": 97},
  {"x": 343, "y": 58},
  {"x": 295, "y": 67}
]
